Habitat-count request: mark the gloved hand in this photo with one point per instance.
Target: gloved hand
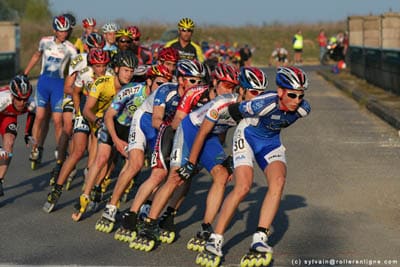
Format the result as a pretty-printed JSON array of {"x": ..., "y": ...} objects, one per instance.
[
  {"x": 186, "y": 171},
  {"x": 228, "y": 164}
]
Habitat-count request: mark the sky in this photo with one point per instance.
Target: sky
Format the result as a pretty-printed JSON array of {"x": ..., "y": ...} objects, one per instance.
[{"x": 223, "y": 12}]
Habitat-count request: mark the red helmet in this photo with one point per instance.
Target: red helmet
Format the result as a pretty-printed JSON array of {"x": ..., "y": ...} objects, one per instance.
[
  {"x": 95, "y": 40},
  {"x": 87, "y": 22},
  {"x": 61, "y": 23},
  {"x": 160, "y": 71},
  {"x": 227, "y": 73},
  {"x": 253, "y": 78},
  {"x": 98, "y": 56},
  {"x": 168, "y": 54},
  {"x": 20, "y": 87},
  {"x": 134, "y": 31}
]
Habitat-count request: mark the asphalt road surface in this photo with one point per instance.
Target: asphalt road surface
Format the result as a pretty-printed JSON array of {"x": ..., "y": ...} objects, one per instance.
[{"x": 341, "y": 203}]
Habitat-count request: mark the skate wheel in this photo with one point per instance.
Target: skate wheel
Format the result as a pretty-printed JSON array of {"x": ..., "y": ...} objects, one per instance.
[
  {"x": 52, "y": 181},
  {"x": 150, "y": 246},
  {"x": 68, "y": 184},
  {"x": 190, "y": 244},
  {"x": 199, "y": 258},
  {"x": 33, "y": 165}
]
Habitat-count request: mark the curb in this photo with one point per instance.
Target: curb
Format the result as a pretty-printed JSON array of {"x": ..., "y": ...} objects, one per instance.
[{"x": 381, "y": 109}]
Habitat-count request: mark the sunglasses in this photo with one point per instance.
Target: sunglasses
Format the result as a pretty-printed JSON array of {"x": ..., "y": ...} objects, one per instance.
[
  {"x": 294, "y": 96},
  {"x": 20, "y": 99},
  {"x": 125, "y": 41},
  {"x": 227, "y": 85},
  {"x": 186, "y": 30},
  {"x": 193, "y": 81},
  {"x": 255, "y": 92},
  {"x": 160, "y": 83}
]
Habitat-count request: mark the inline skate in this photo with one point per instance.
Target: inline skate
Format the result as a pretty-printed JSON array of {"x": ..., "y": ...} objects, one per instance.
[
  {"x": 70, "y": 178},
  {"x": 52, "y": 198},
  {"x": 148, "y": 236},
  {"x": 167, "y": 226},
  {"x": 260, "y": 253},
  {"x": 197, "y": 242},
  {"x": 36, "y": 157},
  {"x": 128, "y": 231},
  {"x": 212, "y": 253},
  {"x": 54, "y": 173},
  {"x": 106, "y": 223}
]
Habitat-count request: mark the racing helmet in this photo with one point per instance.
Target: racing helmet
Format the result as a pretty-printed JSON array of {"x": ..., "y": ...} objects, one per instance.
[
  {"x": 291, "y": 78},
  {"x": 61, "y": 23},
  {"x": 135, "y": 32},
  {"x": 20, "y": 87},
  {"x": 98, "y": 56},
  {"x": 227, "y": 73},
  {"x": 95, "y": 40},
  {"x": 123, "y": 32},
  {"x": 191, "y": 68},
  {"x": 168, "y": 54},
  {"x": 186, "y": 23},
  {"x": 160, "y": 71},
  {"x": 109, "y": 27},
  {"x": 253, "y": 78},
  {"x": 126, "y": 58},
  {"x": 88, "y": 22}
]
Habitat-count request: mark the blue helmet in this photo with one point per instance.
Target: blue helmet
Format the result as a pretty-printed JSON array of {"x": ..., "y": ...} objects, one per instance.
[
  {"x": 191, "y": 68},
  {"x": 291, "y": 78}
]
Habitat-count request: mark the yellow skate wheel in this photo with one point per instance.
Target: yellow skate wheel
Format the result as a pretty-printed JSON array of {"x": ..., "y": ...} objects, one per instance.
[
  {"x": 244, "y": 262},
  {"x": 68, "y": 184},
  {"x": 190, "y": 244},
  {"x": 33, "y": 165},
  {"x": 199, "y": 258}
]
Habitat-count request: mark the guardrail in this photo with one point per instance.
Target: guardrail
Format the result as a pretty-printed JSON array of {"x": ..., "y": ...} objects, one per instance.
[{"x": 380, "y": 67}]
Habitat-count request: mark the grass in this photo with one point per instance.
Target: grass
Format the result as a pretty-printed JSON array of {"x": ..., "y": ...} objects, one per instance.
[{"x": 262, "y": 38}]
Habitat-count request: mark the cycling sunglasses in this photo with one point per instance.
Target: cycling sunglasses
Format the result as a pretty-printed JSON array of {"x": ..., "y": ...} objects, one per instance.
[
  {"x": 294, "y": 96},
  {"x": 159, "y": 83},
  {"x": 255, "y": 92},
  {"x": 228, "y": 85},
  {"x": 186, "y": 30},
  {"x": 125, "y": 41},
  {"x": 193, "y": 81}
]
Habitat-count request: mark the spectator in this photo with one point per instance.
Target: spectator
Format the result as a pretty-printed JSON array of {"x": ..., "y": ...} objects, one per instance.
[
  {"x": 323, "y": 42},
  {"x": 245, "y": 56},
  {"x": 297, "y": 42}
]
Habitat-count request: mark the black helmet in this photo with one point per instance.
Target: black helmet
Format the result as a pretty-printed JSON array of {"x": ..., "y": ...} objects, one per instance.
[
  {"x": 20, "y": 87},
  {"x": 125, "y": 59}
]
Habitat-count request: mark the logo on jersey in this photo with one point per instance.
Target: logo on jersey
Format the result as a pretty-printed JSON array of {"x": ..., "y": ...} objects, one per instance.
[{"x": 214, "y": 114}]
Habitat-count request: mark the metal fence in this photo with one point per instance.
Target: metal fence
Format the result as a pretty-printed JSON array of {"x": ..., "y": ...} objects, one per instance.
[{"x": 380, "y": 67}]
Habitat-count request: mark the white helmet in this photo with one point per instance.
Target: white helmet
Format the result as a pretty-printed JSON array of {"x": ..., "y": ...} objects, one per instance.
[{"x": 110, "y": 27}]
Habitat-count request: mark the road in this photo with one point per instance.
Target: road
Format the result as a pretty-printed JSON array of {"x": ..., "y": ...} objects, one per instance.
[{"x": 341, "y": 200}]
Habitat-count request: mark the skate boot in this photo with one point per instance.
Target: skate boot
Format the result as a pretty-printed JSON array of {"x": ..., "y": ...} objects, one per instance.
[
  {"x": 52, "y": 198},
  {"x": 167, "y": 226},
  {"x": 1, "y": 188},
  {"x": 55, "y": 172},
  {"x": 127, "y": 232},
  {"x": 260, "y": 253},
  {"x": 106, "y": 223},
  {"x": 212, "y": 254},
  {"x": 144, "y": 211},
  {"x": 105, "y": 183},
  {"x": 80, "y": 207},
  {"x": 127, "y": 190},
  {"x": 148, "y": 236},
  {"x": 197, "y": 243},
  {"x": 36, "y": 157},
  {"x": 96, "y": 196},
  {"x": 70, "y": 178}
]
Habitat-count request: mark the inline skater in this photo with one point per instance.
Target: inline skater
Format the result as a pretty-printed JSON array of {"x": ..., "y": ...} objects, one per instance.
[
  {"x": 14, "y": 101},
  {"x": 97, "y": 60},
  {"x": 143, "y": 54},
  {"x": 279, "y": 57},
  {"x": 168, "y": 57},
  {"x": 257, "y": 137},
  {"x": 99, "y": 99},
  {"x": 55, "y": 51},
  {"x": 109, "y": 34},
  {"x": 78, "y": 63},
  {"x": 123, "y": 107},
  {"x": 124, "y": 39},
  {"x": 88, "y": 25},
  {"x": 160, "y": 106},
  {"x": 184, "y": 44}
]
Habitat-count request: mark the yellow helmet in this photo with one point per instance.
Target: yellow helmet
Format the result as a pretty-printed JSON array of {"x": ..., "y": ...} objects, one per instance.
[
  {"x": 186, "y": 23},
  {"x": 123, "y": 32}
]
